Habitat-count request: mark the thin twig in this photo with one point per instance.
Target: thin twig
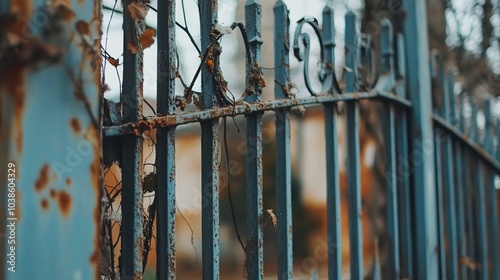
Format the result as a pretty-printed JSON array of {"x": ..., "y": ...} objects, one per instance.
[
  {"x": 184, "y": 28},
  {"x": 229, "y": 188},
  {"x": 106, "y": 41},
  {"x": 192, "y": 233}
]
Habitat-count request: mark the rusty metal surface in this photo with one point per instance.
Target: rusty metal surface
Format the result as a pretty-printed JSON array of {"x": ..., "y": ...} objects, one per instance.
[
  {"x": 246, "y": 108},
  {"x": 132, "y": 165},
  {"x": 50, "y": 59}
]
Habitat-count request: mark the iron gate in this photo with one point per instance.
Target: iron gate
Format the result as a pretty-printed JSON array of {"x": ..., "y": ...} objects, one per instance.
[{"x": 440, "y": 176}]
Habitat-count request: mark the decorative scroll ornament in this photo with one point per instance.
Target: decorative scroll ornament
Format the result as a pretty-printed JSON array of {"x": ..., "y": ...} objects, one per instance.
[
  {"x": 326, "y": 73},
  {"x": 211, "y": 59}
]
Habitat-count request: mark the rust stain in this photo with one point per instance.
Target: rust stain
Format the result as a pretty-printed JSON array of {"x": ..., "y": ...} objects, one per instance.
[
  {"x": 53, "y": 193},
  {"x": 65, "y": 13},
  {"x": 43, "y": 178},
  {"x": 64, "y": 200},
  {"x": 13, "y": 84},
  {"x": 75, "y": 125},
  {"x": 82, "y": 27},
  {"x": 96, "y": 179},
  {"x": 45, "y": 204},
  {"x": 68, "y": 182},
  {"x": 214, "y": 5}
]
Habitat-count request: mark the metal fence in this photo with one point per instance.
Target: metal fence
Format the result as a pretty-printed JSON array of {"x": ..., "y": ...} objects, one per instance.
[
  {"x": 441, "y": 196},
  {"x": 442, "y": 212}
]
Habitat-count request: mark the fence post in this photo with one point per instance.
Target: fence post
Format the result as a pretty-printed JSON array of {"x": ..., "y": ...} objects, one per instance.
[
  {"x": 209, "y": 149},
  {"x": 165, "y": 148},
  {"x": 50, "y": 140},
  {"x": 131, "y": 258},
  {"x": 254, "y": 180},
  {"x": 422, "y": 148},
  {"x": 332, "y": 162},
  {"x": 283, "y": 160},
  {"x": 353, "y": 150}
]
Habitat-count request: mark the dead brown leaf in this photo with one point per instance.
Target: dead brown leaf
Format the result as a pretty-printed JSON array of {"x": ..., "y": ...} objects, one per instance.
[
  {"x": 271, "y": 214},
  {"x": 137, "y": 11},
  {"x": 132, "y": 46},
  {"x": 147, "y": 38}
]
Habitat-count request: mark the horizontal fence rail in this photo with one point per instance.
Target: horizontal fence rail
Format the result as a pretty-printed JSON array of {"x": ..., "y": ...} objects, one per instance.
[{"x": 440, "y": 182}]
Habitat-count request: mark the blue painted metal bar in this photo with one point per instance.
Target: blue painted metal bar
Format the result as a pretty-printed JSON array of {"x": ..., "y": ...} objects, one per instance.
[
  {"x": 473, "y": 133},
  {"x": 493, "y": 210},
  {"x": 497, "y": 153},
  {"x": 460, "y": 202},
  {"x": 481, "y": 228},
  {"x": 332, "y": 165},
  {"x": 419, "y": 89},
  {"x": 458, "y": 151},
  {"x": 254, "y": 247},
  {"x": 448, "y": 178},
  {"x": 491, "y": 199},
  {"x": 131, "y": 262},
  {"x": 386, "y": 79},
  {"x": 440, "y": 199},
  {"x": 403, "y": 171},
  {"x": 50, "y": 142},
  {"x": 353, "y": 158},
  {"x": 470, "y": 252},
  {"x": 479, "y": 205},
  {"x": 165, "y": 144},
  {"x": 210, "y": 158},
  {"x": 283, "y": 160}
]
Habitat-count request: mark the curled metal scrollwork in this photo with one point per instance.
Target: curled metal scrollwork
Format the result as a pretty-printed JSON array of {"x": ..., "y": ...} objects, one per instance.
[
  {"x": 326, "y": 74},
  {"x": 211, "y": 59}
]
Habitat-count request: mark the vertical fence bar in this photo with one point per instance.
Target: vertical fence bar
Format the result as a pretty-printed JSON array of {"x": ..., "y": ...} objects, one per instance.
[
  {"x": 479, "y": 205},
  {"x": 50, "y": 144},
  {"x": 440, "y": 199},
  {"x": 387, "y": 71},
  {"x": 353, "y": 164},
  {"x": 492, "y": 203},
  {"x": 403, "y": 170},
  {"x": 165, "y": 148},
  {"x": 283, "y": 160},
  {"x": 131, "y": 261},
  {"x": 491, "y": 199},
  {"x": 468, "y": 197},
  {"x": 419, "y": 88},
  {"x": 331, "y": 149},
  {"x": 255, "y": 261},
  {"x": 481, "y": 220},
  {"x": 459, "y": 183},
  {"x": 449, "y": 182},
  {"x": 210, "y": 158}
]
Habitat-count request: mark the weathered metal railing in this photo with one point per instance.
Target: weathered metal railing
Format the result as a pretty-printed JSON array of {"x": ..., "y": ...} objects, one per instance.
[{"x": 428, "y": 180}]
